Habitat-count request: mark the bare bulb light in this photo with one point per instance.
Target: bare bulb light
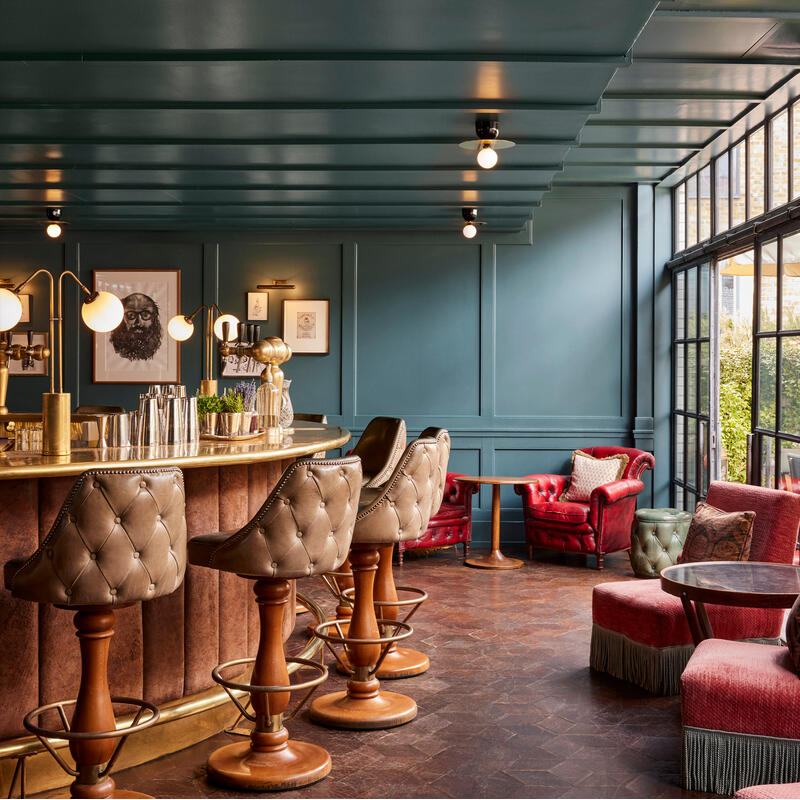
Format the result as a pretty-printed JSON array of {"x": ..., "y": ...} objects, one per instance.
[
  {"x": 487, "y": 156},
  {"x": 232, "y": 331},
  {"x": 103, "y": 312},
  {"x": 53, "y": 230},
  {"x": 469, "y": 230},
  {"x": 180, "y": 328},
  {"x": 10, "y": 309}
]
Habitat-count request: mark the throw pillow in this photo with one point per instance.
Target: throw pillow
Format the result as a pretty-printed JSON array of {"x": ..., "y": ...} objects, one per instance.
[
  {"x": 793, "y": 635},
  {"x": 589, "y": 472},
  {"x": 716, "y": 535}
]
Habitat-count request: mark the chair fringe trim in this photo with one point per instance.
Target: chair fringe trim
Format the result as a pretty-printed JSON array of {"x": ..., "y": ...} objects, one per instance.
[
  {"x": 722, "y": 762},
  {"x": 657, "y": 670}
]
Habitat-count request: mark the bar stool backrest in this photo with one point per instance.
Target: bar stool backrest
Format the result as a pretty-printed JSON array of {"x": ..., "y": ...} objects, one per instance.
[
  {"x": 401, "y": 510},
  {"x": 304, "y": 527},
  {"x": 380, "y": 448},
  {"x": 120, "y": 537}
]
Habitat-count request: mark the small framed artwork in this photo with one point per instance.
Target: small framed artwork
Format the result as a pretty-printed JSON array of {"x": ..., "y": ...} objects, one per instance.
[
  {"x": 24, "y": 366},
  {"x": 25, "y": 299},
  {"x": 305, "y": 325},
  {"x": 258, "y": 306},
  {"x": 240, "y": 367},
  {"x": 139, "y": 350}
]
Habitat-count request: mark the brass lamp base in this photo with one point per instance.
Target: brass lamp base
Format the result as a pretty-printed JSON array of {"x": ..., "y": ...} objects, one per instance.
[
  {"x": 56, "y": 423},
  {"x": 208, "y": 388}
]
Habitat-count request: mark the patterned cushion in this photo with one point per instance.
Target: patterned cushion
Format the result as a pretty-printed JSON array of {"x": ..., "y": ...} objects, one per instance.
[
  {"x": 793, "y": 635},
  {"x": 716, "y": 535},
  {"x": 589, "y": 472}
]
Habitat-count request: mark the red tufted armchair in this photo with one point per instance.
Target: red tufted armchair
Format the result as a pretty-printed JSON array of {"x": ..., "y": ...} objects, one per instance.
[
  {"x": 603, "y": 525},
  {"x": 452, "y": 523}
]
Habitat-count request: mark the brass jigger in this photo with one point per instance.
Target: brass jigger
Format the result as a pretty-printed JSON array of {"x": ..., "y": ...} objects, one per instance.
[{"x": 17, "y": 352}]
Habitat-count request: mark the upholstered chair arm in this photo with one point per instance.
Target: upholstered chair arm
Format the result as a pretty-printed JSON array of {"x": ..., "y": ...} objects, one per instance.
[
  {"x": 641, "y": 464},
  {"x": 541, "y": 489},
  {"x": 459, "y": 492},
  {"x": 612, "y": 492},
  {"x": 611, "y": 509}
]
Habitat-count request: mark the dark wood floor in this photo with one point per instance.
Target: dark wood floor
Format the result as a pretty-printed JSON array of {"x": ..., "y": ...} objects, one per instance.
[{"x": 509, "y": 707}]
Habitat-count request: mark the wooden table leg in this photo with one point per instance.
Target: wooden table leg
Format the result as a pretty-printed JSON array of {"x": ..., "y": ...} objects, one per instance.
[
  {"x": 691, "y": 618},
  {"x": 495, "y": 559},
  {"x": 705, "y": 622}
]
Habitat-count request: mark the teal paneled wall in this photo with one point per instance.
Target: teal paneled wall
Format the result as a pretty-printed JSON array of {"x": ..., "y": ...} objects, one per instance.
[{"x": 525, "y": 348}]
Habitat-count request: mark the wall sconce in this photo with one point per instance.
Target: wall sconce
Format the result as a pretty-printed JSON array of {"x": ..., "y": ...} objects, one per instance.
[
  {"x": 181, "y": 328},
  {"x": 487, "y": 144},
  {"x": 275, "y": 285},
  {"x": 101, "y": 312}
]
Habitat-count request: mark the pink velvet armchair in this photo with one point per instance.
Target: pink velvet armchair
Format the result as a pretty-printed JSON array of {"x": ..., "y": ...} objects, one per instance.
[{"x": 603, "y": 525}]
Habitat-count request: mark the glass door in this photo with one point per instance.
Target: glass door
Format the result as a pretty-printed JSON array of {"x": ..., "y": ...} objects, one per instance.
[{"x": 694, "y": 457}]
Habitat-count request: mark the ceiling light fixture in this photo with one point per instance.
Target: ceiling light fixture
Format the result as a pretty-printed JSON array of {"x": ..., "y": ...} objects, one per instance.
[
  {"x": 487, "y": 144},
  {"x": 470, "y": 229},
  {"x": 53, "y": 230}
]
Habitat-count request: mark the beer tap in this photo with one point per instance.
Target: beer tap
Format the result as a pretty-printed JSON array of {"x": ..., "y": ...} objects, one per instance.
[{"x": 27, "y": 354}]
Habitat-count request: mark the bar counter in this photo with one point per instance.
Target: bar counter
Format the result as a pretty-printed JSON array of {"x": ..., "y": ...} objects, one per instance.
[{"x": 163, "y": 650}]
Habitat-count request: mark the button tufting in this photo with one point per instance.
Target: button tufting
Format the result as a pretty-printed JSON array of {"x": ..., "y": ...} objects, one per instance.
[
  {"x": 93, "y": 556},
  {"x": 67, "y": 592},
  {"x": 299, "y": 534},
  {"x": 152, "y": 587},
  {"x": 117, "y": 520},
  {"x": 112, "y": 591},
  {"x": 136, "y": 555},
  {"x": 274, "y": 565},
  {"x": 158, "y": 517},
  {"x": 143, "y": 485}
]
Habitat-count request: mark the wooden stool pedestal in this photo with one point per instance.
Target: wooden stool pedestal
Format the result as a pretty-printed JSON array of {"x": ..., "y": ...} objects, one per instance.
[
  {"x": 363, "y": 706},
  {"x": 269, "y": 761}
]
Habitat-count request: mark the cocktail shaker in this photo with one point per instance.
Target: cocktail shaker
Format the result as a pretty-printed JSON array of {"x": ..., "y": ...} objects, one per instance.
[
  {"x": 172, "y": 432},
  {"x": 119, "y": 430},
  {"x": 149, "y": 427},
  {"x": 191, "y": 424}
]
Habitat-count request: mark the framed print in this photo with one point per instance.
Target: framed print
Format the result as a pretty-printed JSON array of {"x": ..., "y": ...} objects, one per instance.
[
  {"x": 25, "y": 299},
  {"x": 32, "y": 367},
  {"x": 240, "y": 367},
  {"x": 258, "y": 306},
  {"x": 139, "y": 350},
  {"x": 305, "y": 325}
]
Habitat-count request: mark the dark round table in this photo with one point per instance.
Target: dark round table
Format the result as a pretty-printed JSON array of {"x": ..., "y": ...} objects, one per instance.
[{"x": 747, "y": 584}]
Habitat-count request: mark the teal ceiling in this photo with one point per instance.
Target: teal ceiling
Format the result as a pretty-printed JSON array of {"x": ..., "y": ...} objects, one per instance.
[{"x": 268, "y": 114}]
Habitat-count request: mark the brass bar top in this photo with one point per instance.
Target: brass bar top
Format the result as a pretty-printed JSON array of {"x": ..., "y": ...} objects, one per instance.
[{"x": 306, "y": 438}]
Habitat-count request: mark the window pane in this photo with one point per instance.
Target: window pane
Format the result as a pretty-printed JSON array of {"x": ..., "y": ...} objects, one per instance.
[
  {"x": 691, "y": 377},
  {"x": 756, "y": 173},
  {"x": 790, "y": 466},
  {"x": 689, "y": 501},
  {"x": 680, "y": 218},
  {"x": 766, "y": 383},
  {"x": 704, "y": 456},
  {"x": 768, "y": 315},
  {"x": 790, "y": 385},
  {"x": 722, "y": 221},
  {"x": 679, "y": 438},
  {"x": 737, "y": 181},
  {"x": 691, "y": 452},
  {"x": 691, "y": 211},
  {"x": 796, "y": 150},
  {"x": 768, "y": 462},
  {"x": 790, "y": 291},
  {"x": 679, "y": 497},
  {"x": 691, "y": 303},
  {"x": 680, "y": 377},
  {"x": 780, "y": 159},
  {"x": 705, "y": 299},
  {"x": 704, "y": 379},
  {"x": 705, "y": 203},
  {"x": 680, "y": 305}
]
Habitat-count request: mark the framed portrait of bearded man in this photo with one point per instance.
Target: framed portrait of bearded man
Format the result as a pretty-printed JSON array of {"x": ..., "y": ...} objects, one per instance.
[{"x": 139, "y": 350}]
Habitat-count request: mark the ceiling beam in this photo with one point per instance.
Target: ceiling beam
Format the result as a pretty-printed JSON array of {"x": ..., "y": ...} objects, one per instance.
[
  {"x": 682, "y": 94},
  {"x": 722, "y": 61},
  {"x": 463, "y": 104},
  {"x": 265, "y": 140},
  {"x": 266, "y": 203},
  {"x": 233, "y": 56},
  {"x": 729, "y": 13},
  {"x": 68, "y": 186},
  {"x": 658, "y": 123},
  {"x": 205, "y": 167},
  {"x": 662, "y": 164},
  {"x": 694, "y": 146}
]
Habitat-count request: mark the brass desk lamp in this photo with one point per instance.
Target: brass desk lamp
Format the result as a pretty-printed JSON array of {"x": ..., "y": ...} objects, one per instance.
[{"x": 101, "y": 312}]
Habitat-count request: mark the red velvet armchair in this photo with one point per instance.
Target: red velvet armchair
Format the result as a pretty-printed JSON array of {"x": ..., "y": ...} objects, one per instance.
[
  {"x": 603, "y": 525},
  {"x": 452, "y": 523}
]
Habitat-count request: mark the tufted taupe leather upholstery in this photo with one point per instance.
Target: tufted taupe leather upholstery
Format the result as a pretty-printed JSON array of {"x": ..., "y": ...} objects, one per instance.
[
  {"x": 120, "y": 537},
  {"x": 379, "y": 449},
  {"x": 657, "y": 538},
  {"x": 304, "y": 528},
  {"x": 401, "y": 510}
]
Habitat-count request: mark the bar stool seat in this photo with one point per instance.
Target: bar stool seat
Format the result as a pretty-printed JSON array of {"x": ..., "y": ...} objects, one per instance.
[
  {"x": 119, "y": 538},
  {"x": 304, "y": 528}
]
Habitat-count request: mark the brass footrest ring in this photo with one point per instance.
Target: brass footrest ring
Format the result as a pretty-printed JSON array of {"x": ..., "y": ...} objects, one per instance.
[
  {"x": 405, "y": 631},
  {"x": 251, "y": 688}
]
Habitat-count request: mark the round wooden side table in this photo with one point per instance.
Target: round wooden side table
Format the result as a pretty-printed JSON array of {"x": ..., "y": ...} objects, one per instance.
[{"x": 494, "y": 559}]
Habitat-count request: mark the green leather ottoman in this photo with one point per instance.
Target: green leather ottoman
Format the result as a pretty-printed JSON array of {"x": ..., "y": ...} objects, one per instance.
[{"x": 657, "y": 538}]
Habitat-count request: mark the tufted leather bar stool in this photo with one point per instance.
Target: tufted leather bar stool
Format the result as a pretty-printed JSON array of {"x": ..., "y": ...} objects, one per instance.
[
  {"x": 379, "y": 447},
  {"x": 119, "y": 538},
  {"x": 304, "y": 528},
  {"x": 397, "y": 512}
]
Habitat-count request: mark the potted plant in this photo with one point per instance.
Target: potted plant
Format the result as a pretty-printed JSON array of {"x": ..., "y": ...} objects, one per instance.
[
  {"x": 208, "y": 408},
  {"x": 230, "y": 418}
]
